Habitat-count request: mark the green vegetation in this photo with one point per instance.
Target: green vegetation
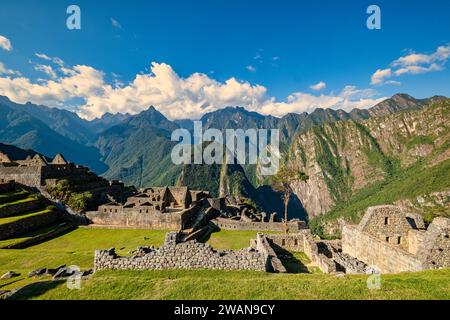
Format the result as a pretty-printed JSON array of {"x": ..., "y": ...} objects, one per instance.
[
  {"x": 230, "y": 239},
  {"x": 77, "y": 248},
  {"x": 7, "y": 195},
  {"x": 208, "y": 284},
  {"x": 80, "y": 201},
  {"x": 29, "y": 199},
  {"x": 22, "y": 216}
]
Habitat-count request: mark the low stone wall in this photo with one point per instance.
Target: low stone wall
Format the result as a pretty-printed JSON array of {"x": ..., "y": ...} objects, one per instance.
[
  {"x": 13, "y": 209},
  {"x": 386, "y": 257},
  {"x": 229, "y": 224},
  {"x": 23, "y": 225},
  {"x": 303, "y": 242},
  {"x": 264, "y": 246},
  {"x": 186, "y": 255}
]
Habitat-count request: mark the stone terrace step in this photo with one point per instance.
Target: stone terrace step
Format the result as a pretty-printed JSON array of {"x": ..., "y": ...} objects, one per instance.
[
  {"x": 20, "y": 206},
  {"x": 37, "y": 236},
  {"x": 23, "y": 223},
  {"x": 13, "y": 196}
]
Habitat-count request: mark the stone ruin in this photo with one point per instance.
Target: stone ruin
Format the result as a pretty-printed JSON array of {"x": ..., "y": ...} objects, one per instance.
[
  {"x": 190, "y": 255},
  {"x": 40, "y": 172},
  {"x": 156, "y": 207},
  {"x": 392, "y": 241}
]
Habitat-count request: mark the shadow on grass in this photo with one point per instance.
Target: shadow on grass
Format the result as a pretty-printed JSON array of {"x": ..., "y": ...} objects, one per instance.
[{"x": 34, "y": 290}]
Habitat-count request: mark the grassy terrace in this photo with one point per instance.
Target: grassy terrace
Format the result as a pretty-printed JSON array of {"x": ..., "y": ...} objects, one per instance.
[
  {"x": 29, "y": 199},
  {"x": 12, "y": 194},
  {"x": 22, "y": 216},
  {"x": 77, "y": 247}
]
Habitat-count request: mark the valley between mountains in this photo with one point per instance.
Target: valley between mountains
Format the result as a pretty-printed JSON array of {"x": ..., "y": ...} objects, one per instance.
[{"x": 395, "y": 152}]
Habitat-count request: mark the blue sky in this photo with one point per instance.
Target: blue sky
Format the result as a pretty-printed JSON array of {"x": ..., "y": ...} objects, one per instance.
[{"x": 273, "y": 49}]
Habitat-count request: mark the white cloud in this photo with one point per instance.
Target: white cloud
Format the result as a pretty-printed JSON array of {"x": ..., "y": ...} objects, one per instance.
[
  {"x": 55, "y": 60},
  {"x": 116, "y": 24},
  {"x": 318, "y": 86},
  {"x": 380, "y": 75},
  {"x": 413, "y": 63},
  {"x": 250, "y": 68},
  {"x": 4, "y": 70},
  {"x": 46, "y": 69},
  {"x": 5, "y": 44},
  {"x": 174, "y": 96}
]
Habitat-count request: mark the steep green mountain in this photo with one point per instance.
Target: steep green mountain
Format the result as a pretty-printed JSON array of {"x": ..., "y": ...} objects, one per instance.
[
  {"x": 352, "y": 164},
  {"x": 107, "y": 121},
  {"x": 21, "y": 129},
  {"x": 64, "y": 122},
  {"x": 138, "y": 150}
]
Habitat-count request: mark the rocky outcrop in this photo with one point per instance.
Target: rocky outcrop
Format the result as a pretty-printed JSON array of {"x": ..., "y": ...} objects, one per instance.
[{"x": 343, "y": 157}]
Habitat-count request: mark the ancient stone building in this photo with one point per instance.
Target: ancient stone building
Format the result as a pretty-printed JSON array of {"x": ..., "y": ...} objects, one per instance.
[
  {"x": 37, "y": 171},
  {"x": 395, "y": 241},
  {"x": 156, "y": 208}
]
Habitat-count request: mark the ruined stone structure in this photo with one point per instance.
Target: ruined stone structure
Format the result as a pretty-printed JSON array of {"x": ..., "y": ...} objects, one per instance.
[
  {"x": 230, "y": 224},
  {"x": 38, "y": 172},
  {"x": 187, "y": 255},
  {"x": 156, "y": 207},
  {"x": 395, "y": 241},
  {"x": 303, "y": 241}
]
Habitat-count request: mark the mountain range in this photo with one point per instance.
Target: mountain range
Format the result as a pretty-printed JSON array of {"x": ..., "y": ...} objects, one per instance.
[{"x": 327, "y": 144}]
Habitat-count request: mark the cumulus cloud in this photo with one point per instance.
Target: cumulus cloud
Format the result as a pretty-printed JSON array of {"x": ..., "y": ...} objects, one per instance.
[
  {"x": 5, "y": 44},
  {"x": 176, "y": 97},
  {"x": 349, "y": 98},
  {"x": 318, "y": 86},
  {"x": 413, "y": 63},
  {"x": 250, "y": 68},
  {"x": 381, "y": 75}
]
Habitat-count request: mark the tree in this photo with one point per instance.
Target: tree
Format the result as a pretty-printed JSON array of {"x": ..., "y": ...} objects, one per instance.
[
  {"x": 80, "y": 201},
  {"x": 282, "y": 182}
]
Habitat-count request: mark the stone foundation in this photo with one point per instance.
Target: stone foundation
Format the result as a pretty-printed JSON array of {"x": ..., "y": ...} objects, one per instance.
[{"x": 187, "y": 255}]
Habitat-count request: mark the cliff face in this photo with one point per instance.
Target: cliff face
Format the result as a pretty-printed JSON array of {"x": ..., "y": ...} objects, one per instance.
[{"x": 343, "y": 157}]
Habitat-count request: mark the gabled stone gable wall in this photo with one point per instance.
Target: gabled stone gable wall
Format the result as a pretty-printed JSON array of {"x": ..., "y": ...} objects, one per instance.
[{"x": 386, "y": 257}]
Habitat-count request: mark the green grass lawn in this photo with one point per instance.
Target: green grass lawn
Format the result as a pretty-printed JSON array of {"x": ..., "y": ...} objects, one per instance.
[
  {"x": 230, "y": 239},
  {"x": 207, "y": 284},
  {"x": 77, "y": 248}
]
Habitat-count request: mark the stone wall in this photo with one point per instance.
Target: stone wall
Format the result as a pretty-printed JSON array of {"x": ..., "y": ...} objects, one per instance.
[
  {"x": 303, "y": 242},
  {"x": 23, "y": 225},
  {"x": 7, "y": 210},
  {"x": 435, "y": 250},
  {"x": 29, "y": 176},
  {"x": 387, "y": 257},
  {"x": 264, "y": 246},
  {"x": 186, "y": 255},
  {"x": 229, "y": 224}
]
